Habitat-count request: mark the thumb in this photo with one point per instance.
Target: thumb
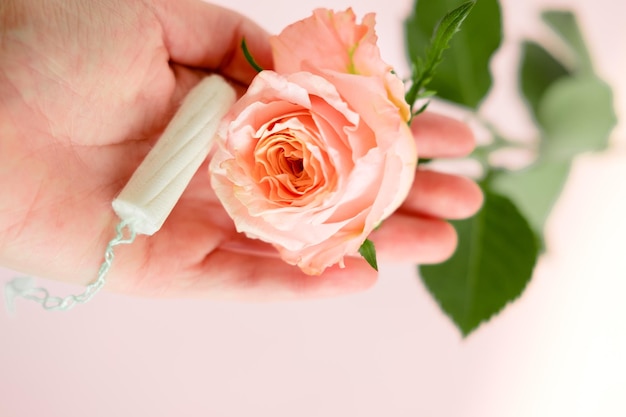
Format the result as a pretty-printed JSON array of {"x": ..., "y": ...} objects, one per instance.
[{"x": 208, "y": 37}]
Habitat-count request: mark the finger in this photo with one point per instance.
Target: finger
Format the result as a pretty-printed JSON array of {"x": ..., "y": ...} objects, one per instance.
[
  {"x": 440, "y": 136},
  {"x": 230, "y": 275},
  {"x": 187, "y": 258},
  {"x": 238, "y": 276},
  {"x": 421, "y": 240},
  {"x": 268, "y": 277},
  {"x": 207, "y": 36},
  {"x": 443, "y": 195}
]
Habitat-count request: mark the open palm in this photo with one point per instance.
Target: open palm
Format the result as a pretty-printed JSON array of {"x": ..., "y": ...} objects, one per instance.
[{"x": 87, "y": 87}]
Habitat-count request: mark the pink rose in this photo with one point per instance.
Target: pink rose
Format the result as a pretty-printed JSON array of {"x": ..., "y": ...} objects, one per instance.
[{"x": 318, "y": 153}]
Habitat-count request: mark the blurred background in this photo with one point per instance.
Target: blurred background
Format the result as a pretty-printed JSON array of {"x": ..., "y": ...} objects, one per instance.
[{"x": 558, "y": 351}]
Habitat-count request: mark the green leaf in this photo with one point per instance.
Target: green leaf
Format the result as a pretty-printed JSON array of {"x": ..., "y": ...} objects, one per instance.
[
  {"x": 577, "y": 115},
  {"x": 249, "y": 57},
  {"x": 493, "y": 263},
  {"x": 539, "y": 70},
  {"x": 534, "y": 190},
  {"x": 368, "y": 251},
  {"x": 564, "y": 24},
  {"x": 424, "y": 70},
  {"x": 463, "y": 76}
]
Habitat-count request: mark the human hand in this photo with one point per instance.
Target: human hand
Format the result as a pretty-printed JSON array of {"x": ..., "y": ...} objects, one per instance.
[{"x": 86, "y": 88}]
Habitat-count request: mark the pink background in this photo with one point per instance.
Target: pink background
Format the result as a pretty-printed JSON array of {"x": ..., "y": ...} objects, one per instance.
[{"x": 559, "y": 351}]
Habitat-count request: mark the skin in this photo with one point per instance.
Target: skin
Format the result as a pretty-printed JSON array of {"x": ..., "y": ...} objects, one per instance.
[{"x": 86, "y": 87}]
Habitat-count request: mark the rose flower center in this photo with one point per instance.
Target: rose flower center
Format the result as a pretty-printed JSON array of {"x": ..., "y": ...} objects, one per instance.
[
  {"x": 295, "y": 165},
  {"x": 284, "y": 165}
]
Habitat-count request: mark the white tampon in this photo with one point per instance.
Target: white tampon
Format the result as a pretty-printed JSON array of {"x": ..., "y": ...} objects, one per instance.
[{"x": 155, "y": 187}]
